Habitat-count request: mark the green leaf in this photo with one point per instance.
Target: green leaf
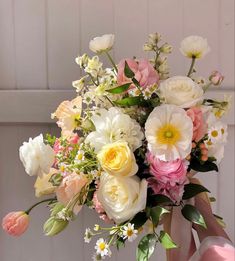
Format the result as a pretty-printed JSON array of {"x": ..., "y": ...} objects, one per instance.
[
  {"x": 119, "y": 89},
  {"x": 120, "y": 242},
  {"x": 130, "y": 101},
  {"x": 146, "y": 247},
  {"x": 161, "y": 199},
  {"x": 127, "y": 71},
  {"x": 191, "y": 190},
  {"x": 166, "y": 240},
  {"x": 156, "y": 213},
  {"x": 192, "y": 214},
  {"x": 135, "y": 82},
  {"x": 196, "y": 165},
  {"x": 139, "y": 220}
]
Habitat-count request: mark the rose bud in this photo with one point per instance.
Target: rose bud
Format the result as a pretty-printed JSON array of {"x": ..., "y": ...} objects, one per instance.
[{"x": 216, "y": 78}]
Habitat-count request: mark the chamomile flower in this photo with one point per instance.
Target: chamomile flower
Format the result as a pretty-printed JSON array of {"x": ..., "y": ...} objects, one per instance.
[
  {"x": 96, "y": 227},
  {"x": 129, "y": 232},
  {"x": 102, "y": 248},
  {"x": 88, "y": 235},
  {"x": 217, "y": 133},
  {"x": 79, "y": 157}
]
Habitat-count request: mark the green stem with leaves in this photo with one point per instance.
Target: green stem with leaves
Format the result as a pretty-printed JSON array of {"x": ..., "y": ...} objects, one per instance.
[
  {"x": 191, "y": 66},
  {"x": 112, "y": 61},
  {"x": 38, "y": 203}
]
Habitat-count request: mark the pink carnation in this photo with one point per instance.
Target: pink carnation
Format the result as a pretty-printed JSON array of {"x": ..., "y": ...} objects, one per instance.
[
  {"x": 15, "y": 223},
  {"x": 145, "y": 74},
  {"x": 199, "y": 125},
  {"x": 167, "y": 171}
]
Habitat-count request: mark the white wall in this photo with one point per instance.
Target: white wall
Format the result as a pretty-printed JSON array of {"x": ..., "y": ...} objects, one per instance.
[{"x": 39, "y": 40}]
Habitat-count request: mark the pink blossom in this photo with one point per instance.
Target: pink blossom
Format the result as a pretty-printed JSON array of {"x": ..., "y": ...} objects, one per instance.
[
  {"x": 174, "y": 192},
  {"x": 100, "y": 210},
  {"x": 167, "y": 171},
  {"x": 15, "y": 223},
  {"x": 145, "y": 74},
  {"x": 216, "y": 78},
  {"x": 199, "y": 125},
  {"x": 74, "y": 138}
]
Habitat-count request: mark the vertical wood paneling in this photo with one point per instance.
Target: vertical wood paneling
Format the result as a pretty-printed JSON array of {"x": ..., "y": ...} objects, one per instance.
[
  {"x": 226, "y": 40},
  {"x": 7, "y": 51},
  {"x": 63, "y": 43},
  {"x": 131, "y": 25},
  {"x": 166, "y": 18},
  {"x": 201, "y": 18},
  {"x": 30, "y": 44}
]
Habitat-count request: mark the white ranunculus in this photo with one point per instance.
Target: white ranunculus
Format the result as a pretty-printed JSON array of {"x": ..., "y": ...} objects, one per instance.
[
  {"x": 194, "y": 46},
  {"x": 122, "y": 197},
  {"x": 36, "y": 156},
  {"x": 113, "y": 125},
  {"x": 181, "y": 91},
  {"x": 102, "y": 43},
  {"x": 169, "y": 131}
]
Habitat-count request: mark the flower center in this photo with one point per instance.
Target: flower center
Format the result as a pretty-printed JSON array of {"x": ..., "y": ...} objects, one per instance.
[
  {"x": 129, "y": 232},
  {"x": 214, "y": 133},
  {"x": 102, "y": 246},
  {"x": 168, "y": 134}
]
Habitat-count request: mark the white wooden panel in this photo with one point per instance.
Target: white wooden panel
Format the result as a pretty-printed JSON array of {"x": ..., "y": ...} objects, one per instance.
[
  {"x": 131, "y": 28},
  {"x": 30, "y": 44},
  {"x": 63, "y": 43},
  {"x": 201, "y": 18},
  {"x": 226, "y": 41},
  {"x": 7, "y": 51},
  {"x": 166, "y": 18}
]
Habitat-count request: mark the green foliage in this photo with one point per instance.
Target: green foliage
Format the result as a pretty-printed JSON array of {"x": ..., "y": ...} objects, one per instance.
[
  {"x": 139, "y": 219},
  {"x": 191, "y": 190},
  {"x": 146, "y": 247},
  {"x": 166, "y": 240},
  {"x": 200, "y": 166},
  {"x": 131, "y": 101},
  {"x": 119, "y": 89},
  {"x": 156, "y": 213},
  {"x": 127, "y": 71},
  {"x": 50, "y": 140},
  {"x": 192, "y": 214}
]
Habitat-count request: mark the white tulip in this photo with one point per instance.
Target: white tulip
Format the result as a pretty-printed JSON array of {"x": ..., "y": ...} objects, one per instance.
[
  {"x": 122, "y": 197},
  {"x": 194, "y": 46},
  {"x": 36, "y": 156},
  {"x": 102, "y": 43}
]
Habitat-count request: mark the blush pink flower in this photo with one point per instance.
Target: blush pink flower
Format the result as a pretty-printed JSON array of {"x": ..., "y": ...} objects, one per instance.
[
  {"x": 199, "y": 125},
  {"x": 144, "y": 72},
  {"x": 15, "y": 223},
  {"x": 69, "y": 188},
  {"x": 167, "y": 171},
  {"x": 99, "y": 209}
]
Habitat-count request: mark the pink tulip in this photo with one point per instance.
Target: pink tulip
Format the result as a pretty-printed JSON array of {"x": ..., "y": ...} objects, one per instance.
[
  {"x": 15, "y": 223},
  {"x": 143, "y": 70}
]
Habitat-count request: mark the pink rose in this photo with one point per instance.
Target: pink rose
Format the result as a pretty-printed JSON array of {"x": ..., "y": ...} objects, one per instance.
[
  {"x": 216, "y": 78},
  {"x": 199, "y": 125},
  {"x": 145, "y": 74},
  {"x": 15, "y": 223},
  {"x": 174, "y": 192},
  {"x": 167, "y": 171},
  {"x": 70, "y": 187}
]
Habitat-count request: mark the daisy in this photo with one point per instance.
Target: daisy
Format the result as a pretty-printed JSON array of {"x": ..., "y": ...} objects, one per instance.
[
  {"x": 169, "y": 132},
  {"x": 88, "y": 235},
  {"x": 102, "y": 248},
  {"x": 130, "y": 232}
]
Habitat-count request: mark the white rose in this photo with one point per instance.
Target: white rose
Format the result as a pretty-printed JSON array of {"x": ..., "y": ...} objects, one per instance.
[
  {"x": 102, "y": 43},
  {"x": 122, "y": 197},
  {"x": 181, "y": 91},
  {"x": 194, "y": 46},
  {"x": 36, "y": 156}
]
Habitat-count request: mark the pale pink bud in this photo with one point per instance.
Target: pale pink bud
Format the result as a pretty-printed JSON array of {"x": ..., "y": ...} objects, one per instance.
[
  {"x": 15, "y": 223},
  {"x": 216, "y": 78}
]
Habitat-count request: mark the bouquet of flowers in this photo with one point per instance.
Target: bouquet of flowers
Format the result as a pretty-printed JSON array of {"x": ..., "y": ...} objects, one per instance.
[{"x": 131, "y": 142}]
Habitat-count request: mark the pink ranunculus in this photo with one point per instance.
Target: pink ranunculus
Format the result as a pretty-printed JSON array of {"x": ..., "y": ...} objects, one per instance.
[
  {"x": 199, "y": 124},
  {"x": 15, "y": 223},
  {"x": 70, "y": 187},
  {"x": 174, "y": 192},
  {"x": 145, "y": 74},
  {"x": 167, "y": 171}
]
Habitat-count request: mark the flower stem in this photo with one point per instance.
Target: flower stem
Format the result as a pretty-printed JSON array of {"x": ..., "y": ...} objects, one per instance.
[
  {"x": 38, "y": 203},
  {"x": 112, "y": 61},
  {"x": 191, "y": 66}
]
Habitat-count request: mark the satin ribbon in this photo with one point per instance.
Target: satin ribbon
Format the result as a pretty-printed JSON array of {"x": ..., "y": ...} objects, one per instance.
[{"x": 180, "y": 231}]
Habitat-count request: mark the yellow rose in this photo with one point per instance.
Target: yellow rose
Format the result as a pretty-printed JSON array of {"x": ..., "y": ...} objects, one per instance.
[
  {"x": 117, "y": 159},
  {"x": 43, "y": 186}
]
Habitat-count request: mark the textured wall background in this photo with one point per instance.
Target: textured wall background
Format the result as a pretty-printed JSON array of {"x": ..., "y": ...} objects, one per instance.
[{"x": 39, "y": 41}]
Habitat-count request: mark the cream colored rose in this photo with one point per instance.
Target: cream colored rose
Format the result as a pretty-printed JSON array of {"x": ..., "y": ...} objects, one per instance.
[
  {"x": 117, "y": 159},
  {"x": 181, "y": 91},
  {"x": 43, "y": 186},
  {"x": 102, "y": 43},
  {"x": 122, "y": 197}
]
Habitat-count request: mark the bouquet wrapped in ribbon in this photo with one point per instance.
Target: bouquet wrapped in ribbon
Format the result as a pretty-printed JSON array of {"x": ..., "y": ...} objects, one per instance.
[{"x": 131, "y": 142}]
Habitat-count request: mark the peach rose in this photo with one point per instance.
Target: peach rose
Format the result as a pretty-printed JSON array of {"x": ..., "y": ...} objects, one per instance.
[
  {"x": 199, "y": 125},
  {"x": 15, "y": 223},
  {"x": 70, "y": 187},
  {"x": 145, "y": 74}
]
